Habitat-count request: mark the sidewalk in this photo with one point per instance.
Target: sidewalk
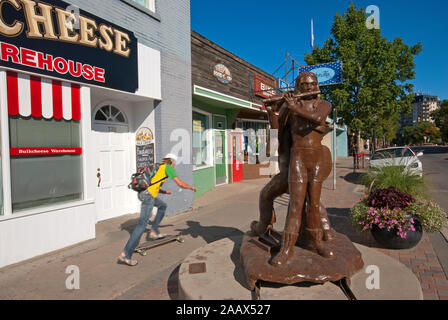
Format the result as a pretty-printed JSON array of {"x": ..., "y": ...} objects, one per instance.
[{"x": 221, "y": 213}]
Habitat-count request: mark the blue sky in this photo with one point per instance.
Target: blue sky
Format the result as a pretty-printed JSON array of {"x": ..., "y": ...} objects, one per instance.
[{"x": 262, "y": 31}]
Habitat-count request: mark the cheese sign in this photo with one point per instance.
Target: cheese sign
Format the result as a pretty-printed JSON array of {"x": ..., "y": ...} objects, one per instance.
[{"x": 54, "y": 38}]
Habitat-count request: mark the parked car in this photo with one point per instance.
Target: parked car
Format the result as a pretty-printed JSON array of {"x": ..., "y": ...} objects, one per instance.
[{"x": 395, "y": 157}]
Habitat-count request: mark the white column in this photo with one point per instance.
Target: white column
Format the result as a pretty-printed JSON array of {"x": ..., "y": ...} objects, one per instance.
[
  {"x": 5, "y": 161},
  {"x": 88, "y": 156}
]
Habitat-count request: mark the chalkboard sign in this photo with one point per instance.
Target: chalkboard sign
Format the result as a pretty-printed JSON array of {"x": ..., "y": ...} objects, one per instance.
[{"x": 145, "y": 156}]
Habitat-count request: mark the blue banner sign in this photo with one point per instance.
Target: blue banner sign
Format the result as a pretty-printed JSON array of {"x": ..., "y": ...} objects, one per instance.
[
  {"x": 327, "y": 73},
  {"x": 283, "y": 85}
]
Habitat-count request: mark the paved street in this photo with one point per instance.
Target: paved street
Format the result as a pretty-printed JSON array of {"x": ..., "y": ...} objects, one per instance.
[
  {"x": 435, "y": 167},
  {"x": 221, "y": 213}
]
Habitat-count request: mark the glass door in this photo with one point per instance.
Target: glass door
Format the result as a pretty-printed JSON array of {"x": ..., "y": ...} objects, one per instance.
[{"x": 220, "y": 161}]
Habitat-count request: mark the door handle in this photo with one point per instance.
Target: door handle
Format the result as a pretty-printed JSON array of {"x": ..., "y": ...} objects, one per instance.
[{"x": 98, "y": 175}]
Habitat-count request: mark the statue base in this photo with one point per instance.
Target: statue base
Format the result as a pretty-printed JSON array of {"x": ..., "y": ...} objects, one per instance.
[
  {"x": 303, "y": 266},
  {"x": 222, "y": 278}
]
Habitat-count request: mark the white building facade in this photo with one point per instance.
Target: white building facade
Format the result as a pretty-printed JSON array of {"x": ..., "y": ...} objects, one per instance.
[{"x": 88, "y": 95}]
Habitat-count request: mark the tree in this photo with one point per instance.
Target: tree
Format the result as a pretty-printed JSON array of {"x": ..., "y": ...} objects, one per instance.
[
  {"x": 374, "y": 90},
  {"x": 440, "y": 117},
  {"x": 416, "y": 134},
  {"x": 409, "y": 135}
]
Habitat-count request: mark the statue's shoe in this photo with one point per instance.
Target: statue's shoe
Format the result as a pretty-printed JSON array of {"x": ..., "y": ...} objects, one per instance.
[
  {"x": 328, "y": 235},
  {"x": 315, "y": 243},
  {"x": 280, "y": 259},
  {"x": 286, "y": 250},
  {"x": 257, "y": 228}
]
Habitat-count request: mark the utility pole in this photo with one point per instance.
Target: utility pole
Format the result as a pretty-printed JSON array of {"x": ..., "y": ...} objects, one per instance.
[
  {"x": 335, "y": 117},
  {"x": 374, "y": 140}
]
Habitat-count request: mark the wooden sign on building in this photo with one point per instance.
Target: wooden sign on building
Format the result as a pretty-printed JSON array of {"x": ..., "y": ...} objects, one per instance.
[{"x": 215, "y": 68}]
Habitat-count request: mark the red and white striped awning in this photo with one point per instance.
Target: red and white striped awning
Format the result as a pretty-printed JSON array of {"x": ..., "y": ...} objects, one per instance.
[{"x": 40, "y": 97}]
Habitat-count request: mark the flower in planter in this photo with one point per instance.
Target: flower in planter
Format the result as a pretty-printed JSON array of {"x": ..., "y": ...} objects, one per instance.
[
  {"x": 390, "y": 219},
  {"x": 389, "y": 198},
  {"x": 393, "y": 210}
]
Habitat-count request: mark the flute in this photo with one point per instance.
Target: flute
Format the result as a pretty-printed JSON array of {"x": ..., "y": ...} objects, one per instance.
[{"x": 281, "y": 98}]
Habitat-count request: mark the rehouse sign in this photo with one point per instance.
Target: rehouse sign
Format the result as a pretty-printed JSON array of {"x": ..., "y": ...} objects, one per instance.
[{"x": 57, "y": 39}]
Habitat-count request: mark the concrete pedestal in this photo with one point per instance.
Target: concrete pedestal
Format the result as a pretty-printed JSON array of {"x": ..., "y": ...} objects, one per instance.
[
  {"x": 214, "y": 272},
  {"x": 303, "y": 265}
]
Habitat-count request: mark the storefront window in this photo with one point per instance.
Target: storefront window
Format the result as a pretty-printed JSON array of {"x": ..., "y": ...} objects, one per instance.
[
  {"x": 149, "y": 4},
  {"x": 109, "y": 113},
  {"x": 40, "y": 179},
  {"x": 201, "y": 140},
  {"x": 255, "y": 140}
]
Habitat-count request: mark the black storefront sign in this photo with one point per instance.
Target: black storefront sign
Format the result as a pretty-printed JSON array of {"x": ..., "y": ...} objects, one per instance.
[{"x": 37, "y": 37}]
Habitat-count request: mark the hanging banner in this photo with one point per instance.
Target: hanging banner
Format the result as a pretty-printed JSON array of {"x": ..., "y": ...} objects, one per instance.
[
  {"x": 283, "y": 85},
  {"x": 327, "y": 73},
  {"x": 56, "y": 39}
]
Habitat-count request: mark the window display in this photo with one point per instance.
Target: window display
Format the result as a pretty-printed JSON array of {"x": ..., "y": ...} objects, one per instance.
[
  {"x": 201, "y": 140},
  {"x": 51, "y": 170}
]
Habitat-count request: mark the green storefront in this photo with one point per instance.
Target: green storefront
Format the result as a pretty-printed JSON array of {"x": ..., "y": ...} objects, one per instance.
[
  {"x": 223, "y": 92},
  {"x": 213, "y": 114}
]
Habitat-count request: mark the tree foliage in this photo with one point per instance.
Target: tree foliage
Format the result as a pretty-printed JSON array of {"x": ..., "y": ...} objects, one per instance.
[
  {"x": 416, "y": 134},
  {"x": 440, "y": 117},
  {"x": 374, "y": 90}
]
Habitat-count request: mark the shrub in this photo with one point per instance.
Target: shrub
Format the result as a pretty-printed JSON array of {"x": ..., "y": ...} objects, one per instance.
[
  {"x": 358, "y": 214},
  {"x": 394, "y": 176},
  {"x": 432, "y": 216},
  {"x": 389, "y": 198}
]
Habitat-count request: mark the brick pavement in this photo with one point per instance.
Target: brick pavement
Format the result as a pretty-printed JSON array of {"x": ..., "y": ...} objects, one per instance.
[{"x": 421, "y": 259}]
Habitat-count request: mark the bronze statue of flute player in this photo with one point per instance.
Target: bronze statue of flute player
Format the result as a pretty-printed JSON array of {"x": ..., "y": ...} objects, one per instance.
[
  {"x": 296, "y": 135},
  {"x": 307, "y": 249},
  {"x": 278, "y": 112}
]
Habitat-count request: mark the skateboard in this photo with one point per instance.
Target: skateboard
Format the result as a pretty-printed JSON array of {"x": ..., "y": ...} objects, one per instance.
[{"x": 141, "y": 249}]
